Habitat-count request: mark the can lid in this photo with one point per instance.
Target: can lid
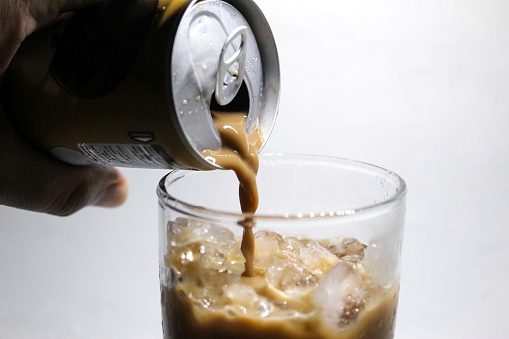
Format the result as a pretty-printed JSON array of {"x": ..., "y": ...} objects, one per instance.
[{"x": 223, "y": 51}]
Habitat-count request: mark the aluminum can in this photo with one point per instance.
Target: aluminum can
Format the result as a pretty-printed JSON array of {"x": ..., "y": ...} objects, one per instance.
[{"x": 132, "y": 83}]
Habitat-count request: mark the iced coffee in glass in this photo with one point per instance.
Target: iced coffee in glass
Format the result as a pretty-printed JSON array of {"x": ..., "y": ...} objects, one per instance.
[{"x": 327, "y": 238}]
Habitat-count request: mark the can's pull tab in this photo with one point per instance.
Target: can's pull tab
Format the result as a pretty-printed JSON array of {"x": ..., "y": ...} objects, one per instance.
[{"x": 231, "y": 72}]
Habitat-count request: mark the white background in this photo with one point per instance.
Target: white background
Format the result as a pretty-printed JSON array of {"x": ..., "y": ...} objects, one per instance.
[{"x": 417, "y": 86}]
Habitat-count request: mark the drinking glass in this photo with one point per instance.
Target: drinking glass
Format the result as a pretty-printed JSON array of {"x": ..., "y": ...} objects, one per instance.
[{"x": 328, "y": 238}]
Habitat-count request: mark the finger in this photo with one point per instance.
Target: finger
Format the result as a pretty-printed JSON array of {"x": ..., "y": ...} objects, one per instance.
[
  {"x": 41, "y": 13},
  {"x": 12, "y": 30},
  {"x": 32, "y": 180},
  {"x": 8, "y": 48}
]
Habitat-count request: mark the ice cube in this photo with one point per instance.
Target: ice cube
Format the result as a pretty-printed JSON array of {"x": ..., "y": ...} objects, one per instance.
[
  {"x": 206, "y": 296},
  {"x": 349, "y": 249},
  {"x": 317, "y": 258},
  {"x": 291, "y": 276},
  {"x": 243, "y": 299},
  {"x": 204, "y": 254},
  {"x": 172, "y": 228},
  {"x": 197, "y": 231},
  {"x": 277, "y": 258},
  {"x": 341, "y": 294},
  {"x": 267, "y": 248},
  {"x": 293, "y": 244},
  {"x": 291, "y": 264}
]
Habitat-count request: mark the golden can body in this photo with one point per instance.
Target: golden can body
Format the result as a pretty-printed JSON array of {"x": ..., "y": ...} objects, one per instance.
[{"x": 131, "y": 83}]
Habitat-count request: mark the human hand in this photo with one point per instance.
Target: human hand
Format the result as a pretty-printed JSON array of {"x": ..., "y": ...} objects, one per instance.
[{"x": 29, "y": 178}]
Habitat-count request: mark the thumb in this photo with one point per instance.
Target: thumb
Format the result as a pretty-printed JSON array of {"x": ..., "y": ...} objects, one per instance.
[{"x": 32, "y": 180}]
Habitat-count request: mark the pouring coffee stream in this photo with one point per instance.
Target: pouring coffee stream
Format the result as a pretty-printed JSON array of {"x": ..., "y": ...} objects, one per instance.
[{"x": 240, "y": 154}]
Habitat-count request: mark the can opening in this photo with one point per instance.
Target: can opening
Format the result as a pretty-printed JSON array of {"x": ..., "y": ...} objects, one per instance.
[
  {"x": 223, "y": 60},
  {"x": 240, "y": 102}
]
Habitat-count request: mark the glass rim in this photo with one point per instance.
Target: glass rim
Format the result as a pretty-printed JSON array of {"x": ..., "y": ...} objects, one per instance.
[{"x": 165, "y": 198}]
